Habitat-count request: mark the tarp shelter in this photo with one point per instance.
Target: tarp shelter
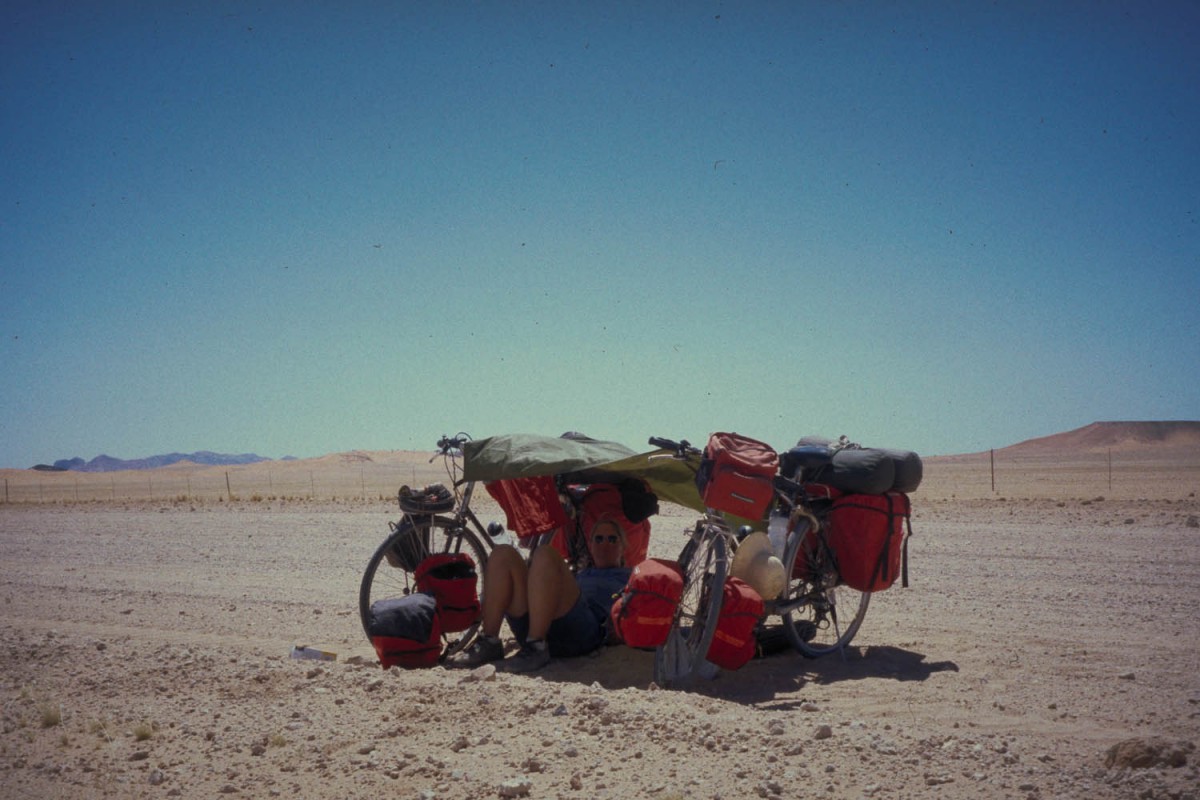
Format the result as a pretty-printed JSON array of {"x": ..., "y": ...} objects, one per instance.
[{"x": 582, "y": 460}]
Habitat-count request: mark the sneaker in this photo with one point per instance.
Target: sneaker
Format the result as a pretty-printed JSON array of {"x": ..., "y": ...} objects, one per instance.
[
  {"x": 532, "y": 656},
  {"x": 485, "y": 649}
]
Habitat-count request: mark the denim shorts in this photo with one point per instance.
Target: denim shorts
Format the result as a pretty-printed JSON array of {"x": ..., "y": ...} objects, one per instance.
[{"x": 573, "y": 634}]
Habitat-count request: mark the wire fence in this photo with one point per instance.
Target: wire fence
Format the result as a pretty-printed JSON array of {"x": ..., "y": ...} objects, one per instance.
[
  {"x": 1116, "y": 475},
  {"x": 250, "y": 483}
]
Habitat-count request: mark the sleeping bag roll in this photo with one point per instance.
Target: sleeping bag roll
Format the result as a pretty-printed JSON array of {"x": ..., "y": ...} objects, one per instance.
[
  {"x": 862, "y": 471},
  {"x": 909, "y": 470}
]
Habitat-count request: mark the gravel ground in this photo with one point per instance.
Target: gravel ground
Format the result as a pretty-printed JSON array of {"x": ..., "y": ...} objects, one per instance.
[{"x": 1046, "y": 648}]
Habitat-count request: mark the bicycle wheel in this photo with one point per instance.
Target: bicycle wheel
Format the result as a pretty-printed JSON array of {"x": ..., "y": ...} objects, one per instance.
[
  {"x": 819, "y": 615},
  {"x": 681, "y": 659},
  {"x": 389, "y": 573}
]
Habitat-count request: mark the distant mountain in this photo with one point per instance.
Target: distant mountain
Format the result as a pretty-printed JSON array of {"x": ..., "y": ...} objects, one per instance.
[
  {"x": 1121, "y": 436},
  {"x": 103, "y": 463}
]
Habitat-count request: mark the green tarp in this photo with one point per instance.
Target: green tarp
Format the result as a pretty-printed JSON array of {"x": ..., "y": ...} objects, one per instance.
[{"x": 525, "y": 455}]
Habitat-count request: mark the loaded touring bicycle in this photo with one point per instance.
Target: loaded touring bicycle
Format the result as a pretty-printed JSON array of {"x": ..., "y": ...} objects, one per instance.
[{"x": 785, "y": 547}]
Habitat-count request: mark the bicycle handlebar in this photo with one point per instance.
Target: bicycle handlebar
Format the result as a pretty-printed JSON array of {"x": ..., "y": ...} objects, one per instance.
[
  {"x": 448, "y": 443},
  {"x": 682, "y": 448}
]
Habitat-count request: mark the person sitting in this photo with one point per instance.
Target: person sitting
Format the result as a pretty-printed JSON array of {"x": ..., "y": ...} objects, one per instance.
[{"x": 552, "y": 613}]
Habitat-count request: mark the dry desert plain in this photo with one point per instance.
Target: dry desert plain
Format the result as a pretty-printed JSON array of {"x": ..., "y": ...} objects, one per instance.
[{"x": 1048, "y": 647}]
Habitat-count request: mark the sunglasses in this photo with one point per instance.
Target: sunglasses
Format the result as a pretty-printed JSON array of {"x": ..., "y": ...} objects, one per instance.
[{"x": 611, "y": 538}]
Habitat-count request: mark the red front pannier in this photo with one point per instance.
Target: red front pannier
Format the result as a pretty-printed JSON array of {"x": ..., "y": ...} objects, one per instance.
[
  {"x": 452, "y": 580},
  {"x": 867, "y": 533},
  {"x": 737, "y": 475},
  {"x": 531, "y": 505},
  {"x": 642, "y": 615},
  {"x": 733, "y": 643}
]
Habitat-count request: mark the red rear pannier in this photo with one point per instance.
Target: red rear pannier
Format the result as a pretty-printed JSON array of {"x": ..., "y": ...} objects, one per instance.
[
  {"x": 737, "y": 475},
  {"x": 733, "y": 643},
  {"x": 866, "y": 534},
  {"x": 642, "y": 615},
  {"x": 452, "y": 580},
  {"x": 406, "y": 631}
]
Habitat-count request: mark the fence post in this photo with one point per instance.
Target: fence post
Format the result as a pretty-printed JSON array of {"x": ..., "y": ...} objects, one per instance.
[
  {"x": 992, "y": 453},
  {"x": 228, "y": 491}
]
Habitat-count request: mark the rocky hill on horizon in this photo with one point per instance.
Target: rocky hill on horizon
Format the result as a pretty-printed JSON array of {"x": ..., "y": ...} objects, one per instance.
[
  {"x": 105, "y": 463},
  {"x": 1116, "y": 435}
]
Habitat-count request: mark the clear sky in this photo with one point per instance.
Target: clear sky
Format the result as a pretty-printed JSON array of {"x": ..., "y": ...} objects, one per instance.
[{"x": 297, "y": 228}]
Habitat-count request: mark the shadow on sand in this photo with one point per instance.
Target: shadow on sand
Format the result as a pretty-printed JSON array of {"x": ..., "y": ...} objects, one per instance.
[{"x": 772, "y": 680}]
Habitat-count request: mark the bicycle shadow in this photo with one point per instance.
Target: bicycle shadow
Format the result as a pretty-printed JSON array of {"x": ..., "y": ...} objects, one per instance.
[{"x": 772, "y": 679}]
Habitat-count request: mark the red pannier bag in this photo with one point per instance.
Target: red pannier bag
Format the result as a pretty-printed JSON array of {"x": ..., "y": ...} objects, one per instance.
[
  {"x": 867, "y": 535},
  {"x": 452, "y": 580},
  {"x": 406, "y": 631},
  {"x": 642, "y": 615},
  {"x": 531, "y": 505},
  {"x": 733, "y": 643},
  {"x": 820, "y": 493},
  {"x": 737, "y": 475}
]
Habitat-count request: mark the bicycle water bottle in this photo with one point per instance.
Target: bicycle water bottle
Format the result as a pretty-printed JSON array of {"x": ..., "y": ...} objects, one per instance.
[
  {"x": 777, "y": 530},
  {"x": 499, "y": 535}
]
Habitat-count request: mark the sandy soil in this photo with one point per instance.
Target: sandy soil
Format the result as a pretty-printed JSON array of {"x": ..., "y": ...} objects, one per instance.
[{"x": 1047, "y": 647}]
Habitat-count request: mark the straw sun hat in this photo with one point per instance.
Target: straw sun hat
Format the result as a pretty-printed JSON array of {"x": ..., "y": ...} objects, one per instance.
[{"x": 756, "y": 564}]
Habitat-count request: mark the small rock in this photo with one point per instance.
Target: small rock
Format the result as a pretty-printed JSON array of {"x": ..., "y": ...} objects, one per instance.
[
  {"x": 157, "y": 777},
  {"x": 366, "y": 749},
  {"x": 516, "y": 787},
  {"x": 140, "y": 755},
  {"x": 776, "y": 727},
  {"x": 809, "y": 706},
  {"x": 823, "y": 732},
  {"x": 1126, "y": 676},
  {"x": 484, "y": 672}
]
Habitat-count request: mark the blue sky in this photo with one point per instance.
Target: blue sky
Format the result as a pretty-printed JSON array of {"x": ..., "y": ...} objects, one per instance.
[{"x": 296, "y": 228}]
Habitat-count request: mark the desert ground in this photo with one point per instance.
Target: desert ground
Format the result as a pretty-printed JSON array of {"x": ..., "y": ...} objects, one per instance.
[{"x": 1048, "y": 646}]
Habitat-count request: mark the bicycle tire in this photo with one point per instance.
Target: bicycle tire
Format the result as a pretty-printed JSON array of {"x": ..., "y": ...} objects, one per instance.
[
  {"x": 813, "y": 598},
  {"x": 388, "y": 578},
  {"x": 682, "y": 658}
]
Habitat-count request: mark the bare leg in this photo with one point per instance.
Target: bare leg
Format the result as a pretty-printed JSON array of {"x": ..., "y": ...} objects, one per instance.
[
  {"x": 504, "y": 587},
  {"x": 552, "y": 590}
]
